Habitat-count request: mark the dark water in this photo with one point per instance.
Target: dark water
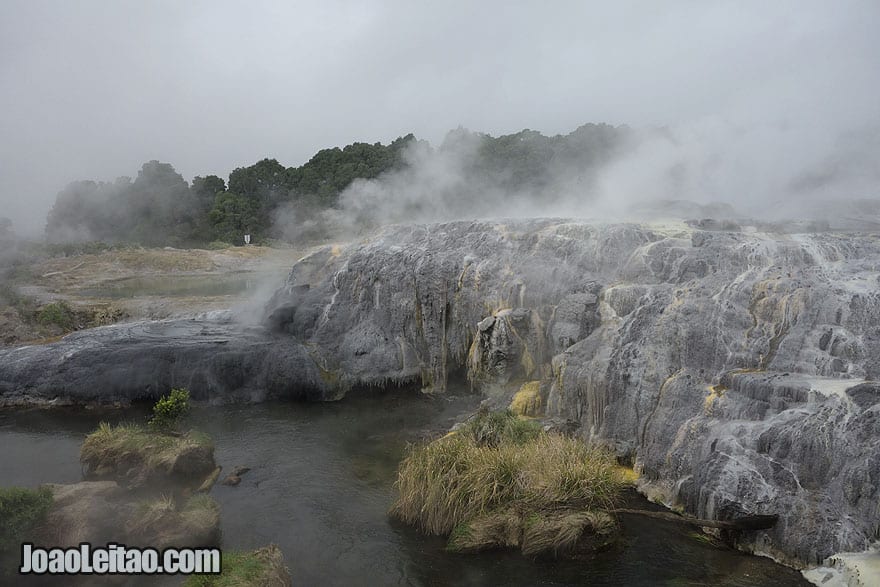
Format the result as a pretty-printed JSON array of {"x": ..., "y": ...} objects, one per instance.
[{"x": 321, "y": 483}]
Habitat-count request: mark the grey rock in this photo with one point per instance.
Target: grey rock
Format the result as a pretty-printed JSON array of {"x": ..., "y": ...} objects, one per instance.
[
  {"x": 728, "y": 366},
  {"x": 216, "y": 361},
  {"x": 486, "y": 323}
]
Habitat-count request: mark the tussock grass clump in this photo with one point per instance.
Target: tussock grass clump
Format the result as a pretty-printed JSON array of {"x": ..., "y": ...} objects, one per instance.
[
  {"x": 498, "y": 468},
  {"x": 264, "y": 566},
  {"x": 150, "y": 514},
  {"x": 501, "y": 529},
  {"x": 21, "y": 511},
  {"x": 560, "y": 532},
  {"x": 490, "y": 429},
  {"x": 139, "y": 454},
  {"x": 566, "y": 472},
  {"x": 164, "y": 521}
]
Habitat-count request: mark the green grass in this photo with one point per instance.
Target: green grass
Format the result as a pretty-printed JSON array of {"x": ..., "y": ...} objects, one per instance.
[
  {"x": 199, "y": 502},
  {"x": 116, "y": 449},
  {"x": 493, "y": 428},
  {"x": 153, "y": 516},
  {"x": 704, "y": 539},
  {"x": 58, "y": 314},
  {"x": 499, "y": 463},
  {"x": 245, "y": 569},
  {"x": 21, "y": 511}
]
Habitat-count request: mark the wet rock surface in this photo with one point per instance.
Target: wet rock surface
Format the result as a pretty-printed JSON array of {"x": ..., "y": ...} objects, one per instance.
[
  {"x": 718, "y": 362},
  {"x": 733, "y": 368},
  {"x": 216, "y": 360}
]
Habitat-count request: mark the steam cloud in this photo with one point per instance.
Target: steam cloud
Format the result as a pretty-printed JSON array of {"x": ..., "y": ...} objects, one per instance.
[
  {"x": 768, "y": 105},
  {"x": 709, "y": 167}
]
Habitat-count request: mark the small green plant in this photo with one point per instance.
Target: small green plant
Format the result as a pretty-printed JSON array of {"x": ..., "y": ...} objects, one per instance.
[
  {"x": 170, "y": 409},
  {"x": 57, "y": 314},
  {"x": 264, "y": 566},
  {"x": 21, "y": 510}
]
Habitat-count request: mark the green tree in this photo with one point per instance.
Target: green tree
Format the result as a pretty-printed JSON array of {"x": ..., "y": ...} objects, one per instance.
[
  {"x": 232, "y": 217},
  {"x": 204, "y": 191},
  {"x": 162, "y": 209}
]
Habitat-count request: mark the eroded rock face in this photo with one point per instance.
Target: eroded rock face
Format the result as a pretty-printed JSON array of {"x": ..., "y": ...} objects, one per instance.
[
  {"x": 670, "y": 345},
  {"x": 217, "y": 361},
  {"x": 718, "y": 362}
]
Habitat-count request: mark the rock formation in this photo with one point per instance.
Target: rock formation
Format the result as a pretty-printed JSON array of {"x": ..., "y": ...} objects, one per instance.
[{"x": 734, "y": 369}]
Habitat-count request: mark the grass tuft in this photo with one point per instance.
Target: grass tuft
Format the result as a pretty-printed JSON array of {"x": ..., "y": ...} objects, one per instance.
[
  {"x": 499, "y": 463},
  {"x": 164, "y": 521},
  {"x": 21, "y": 511},
  {"x": 264, "y": 566},
  {"x": 559, "y": 532},
  {"x": 490, "y": 429},
  {"x": 495, "y": 530},
  {"x": 130, "y": 450}
]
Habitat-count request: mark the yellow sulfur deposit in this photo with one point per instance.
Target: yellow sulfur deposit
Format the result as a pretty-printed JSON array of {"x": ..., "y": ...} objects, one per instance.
[{"x": 527, "y": 401}]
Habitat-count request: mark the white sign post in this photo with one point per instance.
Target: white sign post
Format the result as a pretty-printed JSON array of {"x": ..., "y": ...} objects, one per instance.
[{"x": 247, "y": 239}]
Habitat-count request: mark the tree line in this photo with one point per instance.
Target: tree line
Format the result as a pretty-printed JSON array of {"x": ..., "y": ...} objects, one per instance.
[{"x": 159, "y": 207}]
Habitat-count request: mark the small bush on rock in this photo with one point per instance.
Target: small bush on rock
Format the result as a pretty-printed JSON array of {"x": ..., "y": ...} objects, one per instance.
[{"x": 170, "y": 410}]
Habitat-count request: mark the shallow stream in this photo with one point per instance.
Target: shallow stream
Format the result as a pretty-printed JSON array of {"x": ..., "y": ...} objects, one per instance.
[{"x": 321, "y": 483}]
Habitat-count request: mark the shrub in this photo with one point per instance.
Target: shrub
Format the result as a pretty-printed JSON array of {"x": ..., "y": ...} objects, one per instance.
[
  {"x": 21, "y": 511},
  {"x": 57, "y": 314},
  {"x": 107, "y": 315},
  {"x": 170, "y": 409}
]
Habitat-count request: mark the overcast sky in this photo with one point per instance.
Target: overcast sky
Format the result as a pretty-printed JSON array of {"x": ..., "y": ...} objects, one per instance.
[{"x": 94, "y": 89}]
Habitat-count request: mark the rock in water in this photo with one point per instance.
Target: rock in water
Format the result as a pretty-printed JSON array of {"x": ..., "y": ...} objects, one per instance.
[
  {"x": 232, "y": 480},
  {"x": 718, "y": 362}
]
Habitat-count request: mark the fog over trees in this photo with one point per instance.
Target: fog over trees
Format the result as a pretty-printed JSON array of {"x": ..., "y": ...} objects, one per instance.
[{"x": 271, "y": 201}]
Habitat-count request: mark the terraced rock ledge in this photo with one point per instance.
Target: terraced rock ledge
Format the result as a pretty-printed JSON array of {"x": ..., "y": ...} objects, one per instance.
[{"x": 736, "y": 370}]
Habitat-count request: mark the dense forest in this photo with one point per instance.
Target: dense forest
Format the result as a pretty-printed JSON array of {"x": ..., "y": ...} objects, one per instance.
[{"x": 159, "y": 208}]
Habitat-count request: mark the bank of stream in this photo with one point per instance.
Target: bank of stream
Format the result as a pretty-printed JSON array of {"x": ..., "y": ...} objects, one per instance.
[{"x": 321, "y": 482}]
